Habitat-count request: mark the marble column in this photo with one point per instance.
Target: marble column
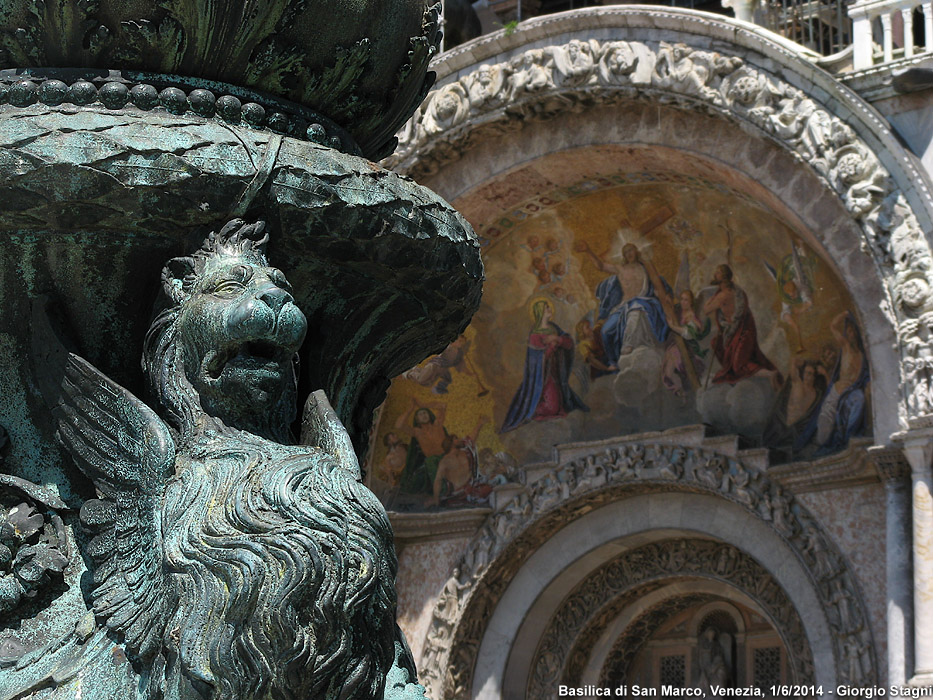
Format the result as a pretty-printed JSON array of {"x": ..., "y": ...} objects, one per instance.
[
  {"x": 917, "y": 444},
  {"x": 895, "y": 472}
]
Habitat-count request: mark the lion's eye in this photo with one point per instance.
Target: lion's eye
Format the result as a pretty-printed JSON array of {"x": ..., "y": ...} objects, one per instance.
[{"x": 228, "y": 288}]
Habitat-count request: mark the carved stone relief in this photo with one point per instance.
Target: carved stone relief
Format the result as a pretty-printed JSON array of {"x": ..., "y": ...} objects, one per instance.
[
  {"x": 541, "y": 82},
  {"x": 918, "y": 350},
  {"x": 510, "y": 535},
  {"x": 627, "y": 646}
]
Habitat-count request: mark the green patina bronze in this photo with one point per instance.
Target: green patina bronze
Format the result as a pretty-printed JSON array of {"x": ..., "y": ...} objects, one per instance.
[
  {"x": 227, "y": 139},
  {"x": 360, "y": 62}
]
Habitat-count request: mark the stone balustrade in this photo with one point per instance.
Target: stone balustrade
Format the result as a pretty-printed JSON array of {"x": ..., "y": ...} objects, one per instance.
[{"x": 864, "y": 14}]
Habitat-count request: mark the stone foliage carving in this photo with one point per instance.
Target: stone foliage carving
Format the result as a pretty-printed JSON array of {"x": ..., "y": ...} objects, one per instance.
[
  {"x": 572, "y": 632},
  {"x": 540, "y": 82},
  {"x": 227, "y": 562},
  {"x": 533, "y": 515},
  {"x": 918, "y": 354},
  {"x": 34, "y": 548}
]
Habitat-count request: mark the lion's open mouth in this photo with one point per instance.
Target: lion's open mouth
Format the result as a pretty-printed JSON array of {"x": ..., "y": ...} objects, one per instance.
[{"x": 251, "y": 356}]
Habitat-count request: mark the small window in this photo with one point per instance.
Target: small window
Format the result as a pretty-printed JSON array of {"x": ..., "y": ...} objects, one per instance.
[
  {"x": 673, "y": 670},
  {"x": 766, "y": 667}
]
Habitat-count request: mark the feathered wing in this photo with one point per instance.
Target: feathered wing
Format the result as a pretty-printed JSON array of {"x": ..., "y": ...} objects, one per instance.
[
  {"x": 127, "y": 451},
  {"x": 320, "y": 427}
]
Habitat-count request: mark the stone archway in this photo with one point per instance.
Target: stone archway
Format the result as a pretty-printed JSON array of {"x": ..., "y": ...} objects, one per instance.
[
  {"x": 603, "y": 597},
  {"x": 725, "y": 96},
  {"x": 576, "y": 518}
]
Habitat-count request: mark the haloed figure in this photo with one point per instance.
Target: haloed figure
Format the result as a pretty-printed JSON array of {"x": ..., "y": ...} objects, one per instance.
[{"x": 545, "y": 391}]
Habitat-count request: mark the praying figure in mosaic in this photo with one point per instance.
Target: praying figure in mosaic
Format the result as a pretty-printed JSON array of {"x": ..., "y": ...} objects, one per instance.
[
  {"x": 430, "y": 441},
  {"x": 796, "y": 406},
  {"x": 545, "y": 391}
]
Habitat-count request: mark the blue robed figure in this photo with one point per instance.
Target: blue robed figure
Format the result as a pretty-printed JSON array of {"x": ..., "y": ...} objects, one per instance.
[
  {"x": 545, "y": 391},
  {"x": 638, "y": 320}
]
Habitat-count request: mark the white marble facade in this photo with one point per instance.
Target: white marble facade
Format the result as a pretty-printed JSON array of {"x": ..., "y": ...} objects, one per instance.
[{"x": 845, "y": 538}]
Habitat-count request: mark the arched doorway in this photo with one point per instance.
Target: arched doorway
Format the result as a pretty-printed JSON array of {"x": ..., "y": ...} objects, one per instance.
[{"x": 560, "y": 564}]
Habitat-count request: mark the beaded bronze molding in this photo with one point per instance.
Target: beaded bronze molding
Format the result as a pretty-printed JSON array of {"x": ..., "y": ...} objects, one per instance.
[{"x": 175, "y": 95}]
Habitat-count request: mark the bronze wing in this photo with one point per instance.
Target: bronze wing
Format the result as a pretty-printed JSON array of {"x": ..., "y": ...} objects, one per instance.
[{"x": 128, "y": 452}]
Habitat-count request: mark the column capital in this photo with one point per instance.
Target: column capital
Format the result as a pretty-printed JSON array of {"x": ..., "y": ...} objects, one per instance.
[{"x": 917, "y": 444}]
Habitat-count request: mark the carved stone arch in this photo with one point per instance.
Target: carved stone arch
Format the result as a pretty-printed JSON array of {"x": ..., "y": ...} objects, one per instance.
[
  {"x": 593, "y": 665},
  {"x": 575, "y": 516},
  {"x": 725, "y": 608},
  {"x": 606, "y": 592},
  {"x": 600, "y": 664},
  {"x": 868, "y": 193}
]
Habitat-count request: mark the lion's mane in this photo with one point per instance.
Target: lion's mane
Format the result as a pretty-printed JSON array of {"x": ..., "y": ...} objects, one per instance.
[
  {"x": 284, "y": 565},
  {"x": 285, "y": 568}
]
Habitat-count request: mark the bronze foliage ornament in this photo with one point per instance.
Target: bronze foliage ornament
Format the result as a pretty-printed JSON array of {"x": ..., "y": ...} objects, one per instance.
[{"x": 364, "y": 67}]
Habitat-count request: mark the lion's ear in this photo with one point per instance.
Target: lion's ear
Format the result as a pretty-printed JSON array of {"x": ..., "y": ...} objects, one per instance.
[{"x": 177, "y": 278}]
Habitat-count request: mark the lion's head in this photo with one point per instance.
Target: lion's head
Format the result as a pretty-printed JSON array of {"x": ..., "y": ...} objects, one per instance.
[{"x": 224, "y": 343}]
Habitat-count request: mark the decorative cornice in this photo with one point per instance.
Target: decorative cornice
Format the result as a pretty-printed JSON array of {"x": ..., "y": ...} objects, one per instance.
[
  {"x": 877, "y": 82},
  {"x": 852, "y": 466},
  {"x": 411, "y": 528},
  {"x": 609, "y": 20},
  {"x": 509, "y": 536}
]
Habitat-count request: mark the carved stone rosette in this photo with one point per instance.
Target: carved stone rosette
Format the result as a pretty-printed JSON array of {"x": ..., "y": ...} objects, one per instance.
[
  {"x": 835, "y": 135},
  {"x": 510, "y": 535}
]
